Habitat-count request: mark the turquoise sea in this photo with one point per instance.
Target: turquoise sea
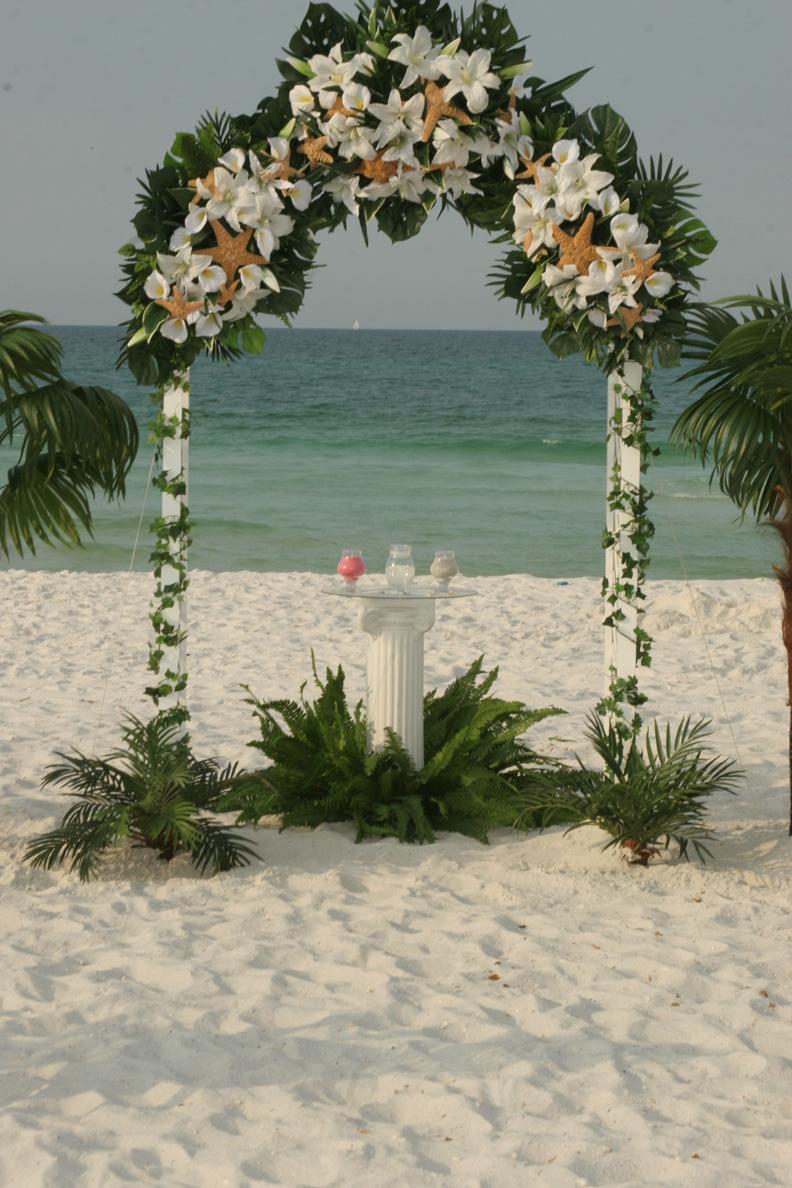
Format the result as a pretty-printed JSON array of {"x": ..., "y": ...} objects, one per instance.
[{"x": 478, "y": 441}]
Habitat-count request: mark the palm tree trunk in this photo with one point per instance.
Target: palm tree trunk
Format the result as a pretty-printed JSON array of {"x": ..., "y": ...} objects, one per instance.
[{"x": 784, "y": 574}]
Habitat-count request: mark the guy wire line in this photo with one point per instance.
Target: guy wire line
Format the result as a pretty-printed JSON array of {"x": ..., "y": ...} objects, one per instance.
[
  {"x": 129, "y": 575},
  {"x": 703, "y": 634}
]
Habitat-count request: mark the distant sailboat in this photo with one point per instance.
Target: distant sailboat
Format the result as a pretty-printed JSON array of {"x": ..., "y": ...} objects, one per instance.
[{"x": 356, "y": 325}]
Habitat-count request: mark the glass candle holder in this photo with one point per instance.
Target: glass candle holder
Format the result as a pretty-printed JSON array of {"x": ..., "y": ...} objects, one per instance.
[
  {"x": 351, "y": 567},
  {"x": 444, "y": 569},
  {"x": 400, "y": 568}
]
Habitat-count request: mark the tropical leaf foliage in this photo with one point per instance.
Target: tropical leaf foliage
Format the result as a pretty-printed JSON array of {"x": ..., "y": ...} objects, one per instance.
[
  {"x": 477, "y": 763},
  {"x": 71, "y": 441},
  {"x": 649, "y": 791},
  {"x": 150, "y": 791},
  {"x": 740, "y": 423}
]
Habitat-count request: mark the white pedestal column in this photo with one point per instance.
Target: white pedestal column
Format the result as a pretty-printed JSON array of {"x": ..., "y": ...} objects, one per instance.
[
  {"x": 620, "y": 651},
  {"x": 175, "y": 464},
  {"x": 395, "y": 679}
]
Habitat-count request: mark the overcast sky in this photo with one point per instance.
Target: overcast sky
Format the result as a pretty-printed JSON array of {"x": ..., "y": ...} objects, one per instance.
[{"x": 91, "y": 92}]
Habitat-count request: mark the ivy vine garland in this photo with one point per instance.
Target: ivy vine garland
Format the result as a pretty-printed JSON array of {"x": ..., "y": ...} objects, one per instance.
[{"x": 383, "y": 117}]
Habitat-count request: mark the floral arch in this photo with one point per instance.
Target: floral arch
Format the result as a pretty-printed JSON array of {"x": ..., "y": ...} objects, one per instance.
[{"x": 383, "y": 117}]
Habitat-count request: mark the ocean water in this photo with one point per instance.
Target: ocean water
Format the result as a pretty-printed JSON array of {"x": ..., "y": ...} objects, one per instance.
[{"x": 478, "y": 441}]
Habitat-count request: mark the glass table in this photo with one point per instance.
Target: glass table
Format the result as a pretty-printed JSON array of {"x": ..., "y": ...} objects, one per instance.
[{"x": 396, "y": 622}]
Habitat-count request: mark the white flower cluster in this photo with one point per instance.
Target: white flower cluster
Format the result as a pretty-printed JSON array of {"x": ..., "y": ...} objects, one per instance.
[
  {"x": 564, "y": 186},
  {"x": 251, "y": 199},
  {"x": 337, "y": 102}
]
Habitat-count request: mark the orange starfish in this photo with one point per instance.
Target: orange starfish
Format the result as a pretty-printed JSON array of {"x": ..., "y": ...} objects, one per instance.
[
  {"x": 577, "y": 249},
  {"x": 226, "y": 294},
  {"x": 436, "y": 107},
  {"x": 531, "y": 167},
  {"x": 627, "y": 317},
  {"x": 178, "y": 306},
  {"x": 641, "y": 268},
  {"x": 314, "y": 151},
  {"x": 377, "y": 170},
  {"x": 231, "y": 251},
  {"x": 338, "y": 108}
]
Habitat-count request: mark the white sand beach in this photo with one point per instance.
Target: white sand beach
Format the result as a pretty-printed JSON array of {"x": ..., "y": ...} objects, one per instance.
[{"x": 534, "y": 1012}]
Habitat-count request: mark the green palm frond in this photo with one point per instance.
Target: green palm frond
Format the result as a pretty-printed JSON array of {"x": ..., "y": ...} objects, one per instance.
[
  {"x": 739, "y": 423},
  {"x": 72, "y": 441},
  {"x": 649, "y": 791},
  {"x": 150, "y": 790}
]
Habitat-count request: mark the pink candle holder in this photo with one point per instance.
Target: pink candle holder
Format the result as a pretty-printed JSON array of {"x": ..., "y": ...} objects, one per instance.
[{"x": 351, "y": 567}]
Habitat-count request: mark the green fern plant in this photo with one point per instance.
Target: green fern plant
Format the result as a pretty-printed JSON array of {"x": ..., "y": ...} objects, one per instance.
[
  {"x": 151, "y": 791},
  {"x": 477, "y": 765},
  {"x": 650, "y": 791}
]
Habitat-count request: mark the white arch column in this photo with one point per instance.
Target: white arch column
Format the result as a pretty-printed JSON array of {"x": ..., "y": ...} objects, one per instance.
[
  {"x": 625, "y": 461},
  {"x": 175, "y": 469}
]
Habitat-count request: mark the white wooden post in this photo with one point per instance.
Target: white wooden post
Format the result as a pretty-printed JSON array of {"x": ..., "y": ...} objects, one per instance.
[
  {"x": 175, "y": 464},
  {"x": 620, "y": 653}
]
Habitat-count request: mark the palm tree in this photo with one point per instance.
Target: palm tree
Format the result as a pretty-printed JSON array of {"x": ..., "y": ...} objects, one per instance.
[
  {"x": 741, "y": 423},
  {"x": 70, "y": 440}
]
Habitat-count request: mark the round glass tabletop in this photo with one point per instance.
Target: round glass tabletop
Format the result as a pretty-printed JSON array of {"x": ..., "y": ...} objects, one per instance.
[{"x": 415, "y": 592}]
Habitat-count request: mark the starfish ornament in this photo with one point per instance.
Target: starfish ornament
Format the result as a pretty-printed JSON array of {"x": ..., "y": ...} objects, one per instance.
[
  {"x": 314, "y": 150},
  {"x": 377, "y": 170},
  {"x": 436, "y": 108},
  {"x": 529, "y": 173},
  {"x": 338, "y": 108},
  {"x": 577, "y": 249},
  {"x": 643, "y": 269},
  {"x": 628, "y": 317},
  {"x": 230, "y": 251},
  {"x": 226, "y": 294},
  {"x": 178, "y": 306}
]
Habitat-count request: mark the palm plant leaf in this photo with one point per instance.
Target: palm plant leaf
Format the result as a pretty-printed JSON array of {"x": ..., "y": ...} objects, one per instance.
[{"x": 27, "y": 355}]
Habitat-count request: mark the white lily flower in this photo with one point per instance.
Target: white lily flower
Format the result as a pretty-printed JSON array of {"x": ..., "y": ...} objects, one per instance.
[
  {"x": 195, "y": 221},
  {"x": 398, "y": 116},
  {"x": 376, "y": 190},
  {"x": 659, "y": 283},
  {"x": 470, "y": 74},
  {"x": 459, "y": 181},
  {"x": 357, "y": 141},
  {"x": 264, "y": 215},
  {"x": 252, "y": 277},
  {"x": 566, "y": 150},
  {"x": 553, "y": 276},
  {"x": 608, "y": 202},
  {"x": 598, "y": 318},
  {"x": 578, "y": 180},
  {"x": 545, "y": 186},
  {"x": 211, "y": 276},
  {"x": 183, "y": 268},
  {"x": 416, "y": 53},
  {"x": 569, "y": 207},
  {"x": 181, "y": 238},
  {"x": 402, "y": 149},
  {"x": 232, "y": 192},
  {"x": 622, "y": 292},
  {"x": 562, "y": 283},
  {"x": 331, "y": 71},
  {"x": 538, "y": 224},
  {"x": 356, "y": 98},
  {"x": 301, "y": 100},
  {"x": 209, "y": 323},
  {"x": 345, "y": 189},
  {"x": 412, "y": 185},
  {"x": 233, "y": 160},
  {"x": 512, "y": 141},
  {"x": 175, "y": 329},
  {"x": 650, "y": 316},
  {"x": 241, "y": 306},
  {"x": 599, "y": 279},
  {"x": 453, "y": 147},
  {"x": 518, "y": 89},
  {"x": 298, "y": 192},
  {"x": 627, "y": 232},
  {"x": 157, "y": 287}
]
